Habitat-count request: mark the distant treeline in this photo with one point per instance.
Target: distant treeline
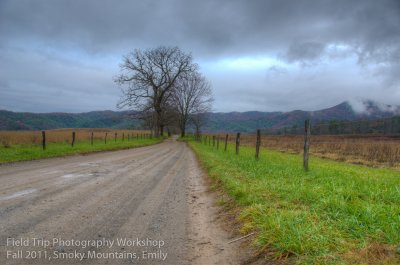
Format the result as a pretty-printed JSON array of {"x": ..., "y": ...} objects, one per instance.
[{"x": 334, "y": 127}]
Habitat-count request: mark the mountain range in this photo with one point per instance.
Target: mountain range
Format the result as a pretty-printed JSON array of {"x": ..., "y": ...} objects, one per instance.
[
  {"x": 250, "y": 121},
  {"x": 217, "y": 121}
]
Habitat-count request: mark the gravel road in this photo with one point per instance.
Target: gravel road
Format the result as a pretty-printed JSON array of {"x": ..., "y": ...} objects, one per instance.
[{"x": 140, "y": 206}]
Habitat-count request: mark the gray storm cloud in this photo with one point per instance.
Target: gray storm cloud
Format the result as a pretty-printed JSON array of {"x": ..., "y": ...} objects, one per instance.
[{"x": 73, "y": 48}]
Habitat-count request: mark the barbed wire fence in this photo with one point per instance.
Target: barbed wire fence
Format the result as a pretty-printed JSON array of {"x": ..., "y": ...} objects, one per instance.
[
  {"x": 44, "y": 138},
  {"x": 381, "y": 126},
  {"x": 130, "y": 137},
  {"x": 371, "y": 139}
]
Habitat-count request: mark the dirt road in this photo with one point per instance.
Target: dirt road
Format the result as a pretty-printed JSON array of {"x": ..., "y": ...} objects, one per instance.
[{"x": 139, "y": 206}]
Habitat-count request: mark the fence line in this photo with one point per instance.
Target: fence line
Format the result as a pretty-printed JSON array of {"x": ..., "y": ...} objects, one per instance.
[
  {"x": 44, "y": 141},
  {"x": 381, "y": 126},
  {"x": 357, "y": 148},
  {"x": 258, "y": 143},
  {"x": 307, "y": 134},
  {"x": 237, "y": 143}
]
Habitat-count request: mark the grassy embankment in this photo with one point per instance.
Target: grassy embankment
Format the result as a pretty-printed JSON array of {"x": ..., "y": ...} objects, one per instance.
[
  {"x": 12, "y": 153},
  {"x": 336, "y": 213}
]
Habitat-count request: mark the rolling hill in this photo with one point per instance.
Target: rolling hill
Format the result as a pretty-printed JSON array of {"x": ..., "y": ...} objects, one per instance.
[
  {"x": 250, "y": 121},
  {"x": 232, "y": 121},
  {"x": 41, "y": 121}
]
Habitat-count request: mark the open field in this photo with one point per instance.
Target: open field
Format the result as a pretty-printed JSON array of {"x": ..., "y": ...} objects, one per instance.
[
  {"x": 18, "y": 146},
  {"x": 371, "y": 150},
  {"x": 8, "y": 138},
  {"x": 336, "y": 213}
]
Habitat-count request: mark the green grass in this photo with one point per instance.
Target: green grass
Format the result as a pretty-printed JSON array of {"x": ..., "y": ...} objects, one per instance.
[
  {"x": 30, "y": 152},
  {"x": 336, "y": 213}
]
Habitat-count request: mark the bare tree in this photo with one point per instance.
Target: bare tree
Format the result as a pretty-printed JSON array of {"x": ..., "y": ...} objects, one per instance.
[
  {"x": 148, "y": 77},
  {"x": 192, "y": 95},
  {"x": 198, "y": 120},
  {"x": 147, "y": 116}
]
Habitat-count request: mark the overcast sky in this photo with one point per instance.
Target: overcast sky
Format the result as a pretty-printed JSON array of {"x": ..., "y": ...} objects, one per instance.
[{"x": 259, "y": 55}]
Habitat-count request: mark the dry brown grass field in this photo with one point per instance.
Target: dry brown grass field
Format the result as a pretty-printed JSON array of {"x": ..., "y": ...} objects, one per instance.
[
  {"x": 8, "y": 138},
  {"x": 371, "y": 150}
]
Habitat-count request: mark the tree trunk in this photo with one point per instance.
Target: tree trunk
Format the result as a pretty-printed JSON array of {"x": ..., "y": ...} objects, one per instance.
[
  {"x": 197, "y": 133},
  {"x": 162, "y": 130},
  {"x": 182, "y": 126},
  {"x": 158, "y": 117}
]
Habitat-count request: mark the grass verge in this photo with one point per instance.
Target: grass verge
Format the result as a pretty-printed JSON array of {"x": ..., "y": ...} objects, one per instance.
[
  {"x": 336, "y": 213},
  {"x": 15, "y": 153}
]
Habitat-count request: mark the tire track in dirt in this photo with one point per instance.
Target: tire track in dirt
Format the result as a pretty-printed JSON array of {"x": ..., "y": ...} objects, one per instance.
[
  {"x": 59, "y": 199},
  {"x": 139, "y": 193}
]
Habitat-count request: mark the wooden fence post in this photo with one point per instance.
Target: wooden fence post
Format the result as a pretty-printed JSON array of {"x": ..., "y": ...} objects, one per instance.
[
  {"x": 258, "y": 143},
  {"x": 237, "y": 143},
  {"x": 129, "y": 137},
  {"x": 217, "y": 142},
  {"x": 115, "y": 137},
  {"x": 213, "y": 141},
  {"x": 123, "y": 137},
  {"x": 209, "y": 140},
  {"x": 226, "y": 142},
  {"x": 44, "y": 140},
  {"x": 105, "y": 138},
  {"x": 307, "y": 133},
  {"x": 73, "y": 139},
  {"x": 137, "y": 136},
  {"x": 91, "y": 138}
]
